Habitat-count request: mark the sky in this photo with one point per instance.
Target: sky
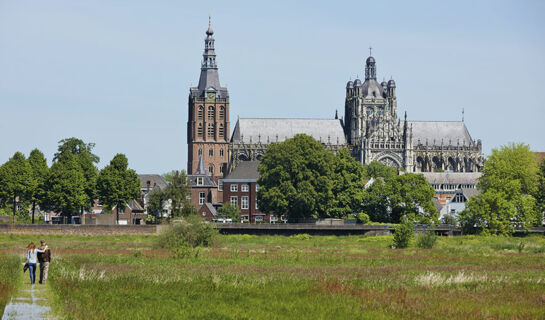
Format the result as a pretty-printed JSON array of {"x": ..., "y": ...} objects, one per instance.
[{"x": 117, "y": 73}]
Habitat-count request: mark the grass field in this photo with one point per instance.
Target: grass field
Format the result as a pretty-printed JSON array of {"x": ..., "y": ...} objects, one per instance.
[{"x": 303, "y": 277}]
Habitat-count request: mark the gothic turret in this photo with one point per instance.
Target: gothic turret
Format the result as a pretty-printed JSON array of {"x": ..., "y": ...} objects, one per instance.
[{"x": 370, "y": 69}]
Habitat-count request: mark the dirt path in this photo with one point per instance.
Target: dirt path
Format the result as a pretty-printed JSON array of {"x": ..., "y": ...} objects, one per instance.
[{"x": 29, "y": 302}]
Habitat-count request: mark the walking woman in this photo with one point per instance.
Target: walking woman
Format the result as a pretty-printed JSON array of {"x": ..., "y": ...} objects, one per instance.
[{"x": 31, "y": 260}]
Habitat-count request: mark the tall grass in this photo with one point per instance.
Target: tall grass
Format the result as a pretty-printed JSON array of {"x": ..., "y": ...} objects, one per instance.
[{"x": 10, "y": 271}]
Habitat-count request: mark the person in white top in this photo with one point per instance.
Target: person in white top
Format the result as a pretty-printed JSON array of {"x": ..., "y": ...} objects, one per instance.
[{"x": 31, "y": 260}]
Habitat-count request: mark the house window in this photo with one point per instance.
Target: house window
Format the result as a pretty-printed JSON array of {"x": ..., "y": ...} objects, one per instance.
[
  {"x": 256, "y": 188},
  {"x": 200, "y": 181},
  {"x": 210, "y": 113},
  {"x": 222, "y": 113},
  {"x": 234, "y": 187},
  {"x": 199, "y": 130},
  {"x": 210, "y": 129},
  {"x": 221, "y": 169},
  {"x": 244, "y": 202},
  {"x": 211, "y": 152},
  {"x": 220, "y": 133},
  {"x": 258, "y": 218},
  {"x": 244, "y": 188},
  {"x": 234, "y": 201},
  {"x": 201, "y": 197},
  {"x": 221, "y": 153},
  {"x": 201, "y": 111},
  {"x": 220, "y": 184},
  {"x": 211, "y": 169},
  {"x": 244, "y": 218}
]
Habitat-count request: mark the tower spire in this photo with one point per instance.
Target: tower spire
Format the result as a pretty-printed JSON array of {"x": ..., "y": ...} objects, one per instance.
[{"x": 209, "y": 69}]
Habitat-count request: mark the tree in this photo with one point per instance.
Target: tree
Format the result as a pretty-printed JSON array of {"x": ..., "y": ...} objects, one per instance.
[
  {"x": 156, "y": 203},
  {"x": 177, "y": 190},
  {"x": 507, "y": 185},
  {"x": 40, "y": 171},
  {"x": 376, "y": 170},
  {"x": 117, "y": 184},
  {"x": 348, "y": 186},
  {"x": 65, "y": 186},
  {"x": 16, "y": 180},
  {"x": 540, "y": 193},
  {"x": 86, "y": 160},
  {"x": 295, "y": 179},
  {"x": 409, "y": 196},
  {"x": 229, "y": 210},
  {"x": 375, "y": 202}
]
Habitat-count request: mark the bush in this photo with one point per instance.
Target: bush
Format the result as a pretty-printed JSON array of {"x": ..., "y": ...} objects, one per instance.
[
  {"x": 450, "y": 219},
  {"x": 363, "y": 218},
  {"x": 403, "y": 234},
  {"x": 183, "y": 237},
  {"x": 427, "y": 240},
  {"x": 301, "y": 236}
]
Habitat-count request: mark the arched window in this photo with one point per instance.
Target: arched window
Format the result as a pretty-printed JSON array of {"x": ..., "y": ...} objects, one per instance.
[
  {"x": 201, "y": 112},
  {"x": 211, "y": 169},
  {"x": 211, "y": 152},
  {"x": 210, "y": 130},
  {"x": 221, "y": 130},
  {"x": 221, "y": 153},
  {"x": 210, "y": 113},
  {"x": 222, "y": 112},
  {"x": 199, "y": 130},
  {"x": 200, "y": 152}
]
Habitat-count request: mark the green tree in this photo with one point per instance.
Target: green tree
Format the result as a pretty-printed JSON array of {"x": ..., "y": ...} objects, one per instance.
[
  {"x": 156, "y": 203},
  {"x": 177, "y": 190},
  {"x": 229, "y": 210},
  {"x": 40, "y": 171},
  {"x": 540, "y": 192},
  {"x": 65, "y": 186},
  {"x": 295, "y": 179},
  {"x": 376, "y": 170},
  {"x": 409, "y": 196},
  {"x": 507, "y": 185},
  {"x": 348, "y": 186},
  {"x": 16, "y": 180},
  {"x": 86, "y": 159},
  {"x": 117, "y": 184},
  {"x": 375, "y": 202}
]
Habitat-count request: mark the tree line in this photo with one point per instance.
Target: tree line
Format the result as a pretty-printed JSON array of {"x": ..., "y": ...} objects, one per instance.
[
  {"x": 70, "y": 185},
  {"x": 300, "y": 179}
]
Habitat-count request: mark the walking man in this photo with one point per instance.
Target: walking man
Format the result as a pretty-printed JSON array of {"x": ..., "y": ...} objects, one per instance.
[{"x": 44, "y": 259}]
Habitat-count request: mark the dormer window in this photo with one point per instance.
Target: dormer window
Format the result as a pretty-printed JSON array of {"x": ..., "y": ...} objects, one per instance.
[{"x": 200, "y": 181}]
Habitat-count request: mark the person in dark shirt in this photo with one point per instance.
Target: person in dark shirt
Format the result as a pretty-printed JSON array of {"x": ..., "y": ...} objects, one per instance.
[{"x": 44, "y": 258}]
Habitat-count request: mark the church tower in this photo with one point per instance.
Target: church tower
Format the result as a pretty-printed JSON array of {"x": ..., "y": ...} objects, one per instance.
[{"x": 208, "y": 119}]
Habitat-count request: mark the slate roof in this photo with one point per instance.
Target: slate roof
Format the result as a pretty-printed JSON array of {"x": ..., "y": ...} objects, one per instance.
[
  {"x": 269, "y": 130},
  {"x": 452, "y": 177},
  {"x": 450, "y": 132},
  {"x": 470, "y": 192},
  {"x": 155, "y": 180},
  {"x": 245, "y": 170},
  {"x": 211, "y": 208},
  {"x": 207, "y": 181}
]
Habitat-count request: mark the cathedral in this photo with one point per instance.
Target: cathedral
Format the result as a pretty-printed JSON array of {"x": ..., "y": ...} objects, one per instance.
[{"x": 371, "y": 129}]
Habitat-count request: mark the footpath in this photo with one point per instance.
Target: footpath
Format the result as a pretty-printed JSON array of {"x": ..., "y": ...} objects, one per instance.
[{"x": 29, "y": 302}]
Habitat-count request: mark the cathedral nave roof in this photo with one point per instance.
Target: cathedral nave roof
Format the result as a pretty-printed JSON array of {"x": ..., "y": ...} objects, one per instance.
[{"x": 435, "y": 132}]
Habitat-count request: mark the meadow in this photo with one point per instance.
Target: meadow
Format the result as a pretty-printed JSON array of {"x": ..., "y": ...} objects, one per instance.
[{"x": 300, "y": 277}]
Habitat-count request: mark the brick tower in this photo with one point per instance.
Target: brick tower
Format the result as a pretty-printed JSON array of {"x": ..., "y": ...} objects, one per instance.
[{"x": 208, "y": 120}]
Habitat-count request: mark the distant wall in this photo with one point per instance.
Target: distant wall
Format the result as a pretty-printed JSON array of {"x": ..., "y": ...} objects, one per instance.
[{"x": 78, "y": 229}]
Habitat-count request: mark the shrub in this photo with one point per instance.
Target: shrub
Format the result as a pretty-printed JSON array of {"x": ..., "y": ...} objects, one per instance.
[
  {"x": 403, "y": 234},
  {"x": 190, "y": 233},
  {"x": 301, "y": 236},
  {"x": 363, "y": 217},
  {"x": 427, "y": 240},
  {"x": 450, "y": 219}
]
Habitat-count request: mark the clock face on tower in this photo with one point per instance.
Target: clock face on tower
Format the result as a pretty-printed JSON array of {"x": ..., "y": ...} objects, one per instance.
[{"x": 210, "y": 96}]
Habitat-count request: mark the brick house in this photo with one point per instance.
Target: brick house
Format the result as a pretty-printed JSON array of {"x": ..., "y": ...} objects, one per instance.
[
  {"x": 240, "y": 188},
  {"x": 203, "y": 188}
]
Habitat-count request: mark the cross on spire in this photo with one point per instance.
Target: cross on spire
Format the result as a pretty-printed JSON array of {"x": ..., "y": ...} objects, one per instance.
[
  {"x": 370, "y": 50},
  {"x": 209, "y": 20}
]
